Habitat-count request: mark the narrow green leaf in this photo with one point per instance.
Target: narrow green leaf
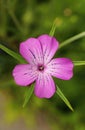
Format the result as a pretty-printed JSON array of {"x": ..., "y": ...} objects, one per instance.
[
  {"x": 28, "y": 94},
  {"x": 61, "y": 95},
  {"x": 70, "y": 40},
  {"x": 79, "y": 63},
  {"x": 53, "y": 28},
  {"x": 12, "y": 53}
]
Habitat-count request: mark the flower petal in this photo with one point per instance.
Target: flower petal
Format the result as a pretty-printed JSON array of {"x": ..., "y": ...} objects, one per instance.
[
  {"x": 31, "y": 50},
  {"x": 49, "y": 46},
  {"x": 24, "y": 74},
  {"x": 61, "y": 68},
  {"x": 44, "y": 87}
]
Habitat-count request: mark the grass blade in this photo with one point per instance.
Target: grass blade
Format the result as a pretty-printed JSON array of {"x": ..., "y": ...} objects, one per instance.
[
  {"x": 12, "y": 53},
  {"x": 28, "y": 94},
  {"x": 65, "y": 100}
]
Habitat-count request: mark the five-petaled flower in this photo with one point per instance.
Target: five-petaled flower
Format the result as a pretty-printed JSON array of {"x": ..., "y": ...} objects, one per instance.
[{"x": 38, "y": 52}]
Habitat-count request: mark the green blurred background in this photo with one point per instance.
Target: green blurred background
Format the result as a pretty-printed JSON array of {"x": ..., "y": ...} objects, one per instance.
[{"x": 19, "y": 20}]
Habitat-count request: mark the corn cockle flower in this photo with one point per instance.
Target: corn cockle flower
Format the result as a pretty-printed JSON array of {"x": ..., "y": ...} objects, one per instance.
[{"x": 38, "y": 52}]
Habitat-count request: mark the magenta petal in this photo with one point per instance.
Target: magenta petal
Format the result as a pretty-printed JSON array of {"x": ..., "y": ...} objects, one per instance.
[
  {"x": 61, "y": 68},
  {"x": 49, "y": 46},
  {"x": 44, "y": 87},
  {"x": 24, "y": 74},
  {"x": 31, "y": 50}
]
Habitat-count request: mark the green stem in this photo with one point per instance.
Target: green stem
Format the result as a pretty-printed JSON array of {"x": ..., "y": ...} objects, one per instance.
[
  {"x": 79, "y": 63},
  {"x": 15, "y": 20},
  {"x": 13, "y": 16},
  {"x": 68, "y": 41}
]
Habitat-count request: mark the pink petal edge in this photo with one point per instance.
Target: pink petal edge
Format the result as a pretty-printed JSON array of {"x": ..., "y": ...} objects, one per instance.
[
  {"x": 31, "y": 50},
  {"x": 44, "y": 86},
  {"x": 61, "y": 68},
  {"x": 49, "y": 46},
  {"x": 24, "y": 74}
]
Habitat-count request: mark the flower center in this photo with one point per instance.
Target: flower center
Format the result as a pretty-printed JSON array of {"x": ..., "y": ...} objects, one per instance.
[{"x": 40, "y": 67}]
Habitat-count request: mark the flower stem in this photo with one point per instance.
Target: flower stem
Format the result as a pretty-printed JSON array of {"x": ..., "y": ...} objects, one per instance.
[
  {"x": 79, "y": 63},
  {"x": 13, "y": 16},
  {"x": 68, "y": 41}
]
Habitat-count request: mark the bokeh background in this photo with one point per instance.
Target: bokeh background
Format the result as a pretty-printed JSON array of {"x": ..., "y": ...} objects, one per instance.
[{"x": 20, "y": 20}]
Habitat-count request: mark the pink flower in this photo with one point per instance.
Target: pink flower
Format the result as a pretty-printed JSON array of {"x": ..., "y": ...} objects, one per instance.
[{"x": 39, "y": 53}]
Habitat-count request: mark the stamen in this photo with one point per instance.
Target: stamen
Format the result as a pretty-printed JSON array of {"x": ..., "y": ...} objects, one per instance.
[{"x": 40, "y": 67}]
